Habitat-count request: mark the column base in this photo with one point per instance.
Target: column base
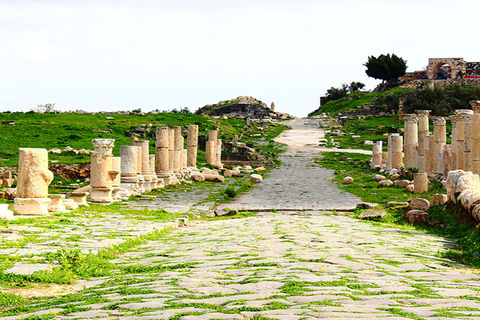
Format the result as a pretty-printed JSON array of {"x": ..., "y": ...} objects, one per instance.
[
  {"x": 31, "y": 206},
  {"x": 102, "y": 195},
  {"x": 80, "y": 198}
]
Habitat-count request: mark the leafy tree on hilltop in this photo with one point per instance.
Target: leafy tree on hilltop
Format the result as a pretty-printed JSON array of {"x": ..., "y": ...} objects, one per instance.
[{"x": 385, "y": 67}]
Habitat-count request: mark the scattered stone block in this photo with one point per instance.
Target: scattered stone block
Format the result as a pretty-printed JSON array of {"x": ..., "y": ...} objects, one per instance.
[
  {"x": 397, "y": 204},
  {"x": 378, "y": 177},
  {"x": 410, "y": 188},
  {"x": 348, "y": 180},
  {"x": 386, "y": 183},
  {"x": 260, "y": 169},
  {"x": 372, "y": 214},
  {"x": 395, "y": 177},
  {"x": 70, "y": 204},
  {"x": 214, "y": 177},
  {"x": 420, "y": 182},
  {"x": 198, "y": 177},
  {"x": 419, "y": 204},
  {"x": 402, "y": 183},
  {"x": 227, "y": 173},
  {"x": 256, "y": 178},
  {"x": 416, "y": 216}
]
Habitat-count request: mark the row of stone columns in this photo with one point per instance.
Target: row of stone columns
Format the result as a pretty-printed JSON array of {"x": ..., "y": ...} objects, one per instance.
[{"x": 430, "y": 153}]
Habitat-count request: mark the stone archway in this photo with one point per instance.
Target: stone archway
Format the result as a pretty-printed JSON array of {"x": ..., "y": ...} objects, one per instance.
[{"x": 457, "y": 65}]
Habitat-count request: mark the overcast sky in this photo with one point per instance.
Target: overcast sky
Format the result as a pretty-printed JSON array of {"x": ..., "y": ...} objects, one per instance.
[{"x": 122, "y": 55}]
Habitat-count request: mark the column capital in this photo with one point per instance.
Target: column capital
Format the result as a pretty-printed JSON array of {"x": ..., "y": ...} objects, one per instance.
[
  {"x": 475, "y": 105},
  {"x": 439, "y": 121},
  {"x": 454, "y": 119},
  {"x": 462, "y": 114},
  {"x": 103, "y": 146},
  {"x": 411, "y": 118},
  {"x": 423, "y": 113}
]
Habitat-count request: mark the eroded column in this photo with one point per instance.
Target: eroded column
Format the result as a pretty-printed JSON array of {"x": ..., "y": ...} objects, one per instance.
[
  {"x": 192, "y": 145},
  {"x": 439, "y": 140},
  {"x": 411, "y": 140},
  {"x": 102, "y": 173},
  {"x": 397, "y": 150},
  {"x": 475, "y": 137},
  {"x": 454, "y": 144},
  {"x": 162, "y": 155},
  {"x": 128, "y": 176},
  {"x": 422, "y": 139},
  {"x": 211, "y": 147},
  {"x": 462, "y": 115},
  {"x": 145, "y": 163},
  {"x": 32, "y": 182},
  {"x": 467, "y": 141}
]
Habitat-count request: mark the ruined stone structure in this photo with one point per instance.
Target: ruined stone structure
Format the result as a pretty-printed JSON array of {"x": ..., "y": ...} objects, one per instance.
[
  {"x": 102, "y": 174},
  {"x": 33, "y": 181}
]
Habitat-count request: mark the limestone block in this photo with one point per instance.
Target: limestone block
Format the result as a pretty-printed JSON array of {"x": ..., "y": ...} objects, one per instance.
[
  {"x": 31, "y": 206},
  {"x": 213, "y": 135},
  {"x": 256, "y": 178},
  {"x": 227, "y": 173},
  {"x": 198, "y": 177},
  {"x": 439, "y": 199},
  {"x": 33, "y": 174},
  {"x": 395, "y": 177},
  {"x": 192, "y": 136},
  {"x": 420, "y": 182},
  {"x": 348, "y": 180},
  {"x": 402, "y": 183},
  {"x": 386, "y": 183},
  {"x": 214, "y": 177},
  {"x": 416, "y": 216},
  {"x": 57, "y": 203},
  {"x": 419, "y": 204},
  {"x": 210, "y": 152},
  {"x": 162, "y": 137},
  {"x": 70, "y": 204},
  {"x": 80, "y": 198},
  {"x": 378, "y": 177},
  {"x": 476, "y": 212},
  {"x": 410, "y": 188}
]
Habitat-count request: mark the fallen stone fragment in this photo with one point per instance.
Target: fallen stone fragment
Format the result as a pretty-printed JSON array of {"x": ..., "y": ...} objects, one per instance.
[
  {"x": 214, "y": 177},
  {"x": 416, "y": 216},
  {"x": 378, "y": 177},
  {"x": 348, "y": 180},
  {"x": 256, "y": 178},
  {"x": 395, "y": 176},
  {"x": 372, "y": 214},
  {"x": 397, "y": 204},
  {"x": 402, "y": 183},
  {"x": 227, "y": 173},
  {"x": 198, "y": 177},
  {"x": 410, "y": 188},
  {"x": 419, "y": 204},
  {"x": 386, "y": 183}
]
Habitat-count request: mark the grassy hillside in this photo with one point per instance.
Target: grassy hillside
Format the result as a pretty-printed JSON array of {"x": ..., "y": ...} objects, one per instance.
[{"x": 35, "y": 130}]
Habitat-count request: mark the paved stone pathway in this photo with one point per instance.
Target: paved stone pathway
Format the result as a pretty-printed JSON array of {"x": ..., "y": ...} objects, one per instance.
[{"x": 282, "y": 265}]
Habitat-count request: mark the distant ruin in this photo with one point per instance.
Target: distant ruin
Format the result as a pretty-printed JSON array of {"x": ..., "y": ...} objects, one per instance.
[{"x": 441, "y": 72}]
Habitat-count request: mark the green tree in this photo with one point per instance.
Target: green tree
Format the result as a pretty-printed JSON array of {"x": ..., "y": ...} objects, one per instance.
[
  {"x": 337, "y": 93},
  {"x": 385, "y": 67},
  {"x": 355, "y": 86}
]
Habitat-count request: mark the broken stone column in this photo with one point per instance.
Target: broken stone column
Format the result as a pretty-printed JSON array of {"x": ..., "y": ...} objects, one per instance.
[
  {"x": 171, "y": 149},
  {"x": 178, "y": 147},
  {"x": 162, "y": 156},
  {"x": 156, "y": 182},
  {"x": 397, "y": 151},
  {"x": 420, "y": 182},
  {"x": 128, "y": 176},
  {"x": 411, "y": 140},
  {"x": 145, "y": 163},
  {"x": 467, "y": 141},
  {"x": 422, "y": 139},
  {"x": 463, "y": 116},
  {"x": 377, "y": 154},
  {"x": 192, "y": 145},
  {"x": 454, "y": 143},
  {"x": 218, "y": 154},
  {"x": 102, "y": 173},
  {"x": 56, "y": 204},
  {"x": 32, "y": 182},
  {"x": 211, "y": 148},
  {"x": 141, "y": 178},
  {"x": 116, "y": 166},
  {"x": 439, "y": 140},
  {"x": 475, "y": 137},
  {"x": 429, "y": 150}
]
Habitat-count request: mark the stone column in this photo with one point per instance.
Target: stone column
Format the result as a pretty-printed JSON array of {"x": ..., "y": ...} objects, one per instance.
[
  {"x": 377, "y": 155},
  {"x": 397, "y": 150},
  {"x": 211, "y": 148},
  {"x": 171, "y": 149},
  {"x": 462, "y": 115},
  {"x": 420, "y": 182},
  {"x": 467, "y": 141},
  {"x": 32, "y": 182},
  {"x": 411, "y": 140},
  {"x": 156, "y": 182},
  {"x": 389, "y": 152},
  {"x": 162, "y": 155},
  {"x": 454, "y": 143},
  {"x": 102, "y": 173},
  {"x": 218, "y": 154},
  {"x": 128, "y": 177},
  {"x": 192, "y": 145},
  {"x": 141, "y": 178},
  {"x": 116, "y": 166},
  {"x": 439, "y": 140},
  {"x": 430, "y": 163},
  {"x": 145, "y": 163},
  {"x": 475, "y": 138},
  {"x": 422, "y": 139},
  {"x": 177, "y": 147}
]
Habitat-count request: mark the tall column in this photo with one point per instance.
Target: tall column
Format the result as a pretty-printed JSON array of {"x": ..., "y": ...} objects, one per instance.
[
  {"x": 218, "y": 154},
  {"x": 411, "y": 140},
  {"x": 462, "y": 115},
  {"x": 162, "y": 155},
  {"x": 141, "y": 178},
  {"x": 422, "y": 139},
  {"x": 171, "y": 149},
  {"x": 145, "y": 163},
  {"x": 377, "y": 154},
  {"x": 178, "y": 147},
  {"x": 211, "y": 148},
  {"x": 467, "y": 141},
  {"x": 116, "y": 166},
  {"x": 389, "y": 152},
  {"x": 475, "y": 137},
  {"x": 156, "y": 183},
  {"x": 430, "y": 164},
  {"x": 454, "y": 143},
  {"x": 192, "y": 145},
  {"x": 397, "y": 151},
  {"x": 102, "y": 173},
  {"x": 128, "y": 177},
  {"x": 32, "y": 183},
  {"x": 439, "y": 140}
]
